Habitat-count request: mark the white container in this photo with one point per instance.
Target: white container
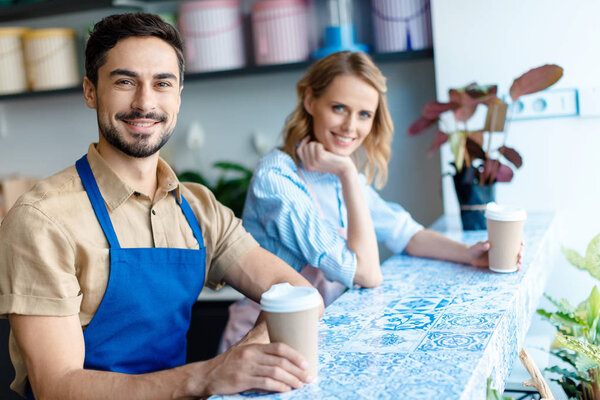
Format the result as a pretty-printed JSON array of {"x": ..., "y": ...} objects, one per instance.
[
  {"x": 51, "y": 59},
  {"x": 280, "y": 32},
  {"x": 13, "y": 78},
  {"x": 401, "y": 25},
  {"x": 213, "y": 35}
]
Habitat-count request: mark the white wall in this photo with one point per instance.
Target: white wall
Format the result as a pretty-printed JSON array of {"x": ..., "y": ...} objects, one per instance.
[
  {"x": 46, "y": 134},
  {"x": 494, "y": 42}
]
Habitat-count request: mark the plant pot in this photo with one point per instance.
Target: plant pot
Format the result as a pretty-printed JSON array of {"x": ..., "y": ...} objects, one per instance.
[{"x": 472, "y": 199}]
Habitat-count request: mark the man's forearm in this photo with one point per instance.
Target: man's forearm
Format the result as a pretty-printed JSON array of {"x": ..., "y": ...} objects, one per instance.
[{"x": 185, "y": 382}]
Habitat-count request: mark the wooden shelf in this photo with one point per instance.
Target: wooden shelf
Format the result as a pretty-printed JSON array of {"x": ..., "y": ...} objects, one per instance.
[
  {"x": 247, "y": 71},
  {"x": 46, "y": 8}
]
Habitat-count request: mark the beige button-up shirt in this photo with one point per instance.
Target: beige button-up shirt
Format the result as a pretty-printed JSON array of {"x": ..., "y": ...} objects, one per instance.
[{"x": 54, "y": 257}]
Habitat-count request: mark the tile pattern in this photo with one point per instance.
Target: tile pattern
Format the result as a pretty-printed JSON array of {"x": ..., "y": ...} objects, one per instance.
[{"x": 432, "y": 330}]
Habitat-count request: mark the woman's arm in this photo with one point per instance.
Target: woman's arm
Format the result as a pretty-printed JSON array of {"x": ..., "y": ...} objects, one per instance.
[
  {"x": 361, "y": 238},
  {"x": 431, "y": 244}
]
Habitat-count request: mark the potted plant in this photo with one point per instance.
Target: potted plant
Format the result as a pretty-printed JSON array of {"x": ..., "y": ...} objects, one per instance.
[
  {"x": 229, "y": 191},
  {"x": 577, "y": 341},
  {"x": 477, "y": 164}
]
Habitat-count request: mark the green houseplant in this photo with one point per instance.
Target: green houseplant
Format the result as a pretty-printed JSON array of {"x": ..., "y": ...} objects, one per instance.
[
  {"x": 478, "y": 165},
  {"x": 230, "y": 187},
  {"x": 577, "y": 341}
]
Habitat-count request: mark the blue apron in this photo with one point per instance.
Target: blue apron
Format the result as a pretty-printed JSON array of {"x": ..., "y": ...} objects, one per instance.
[{"x": 143, "y": 319}]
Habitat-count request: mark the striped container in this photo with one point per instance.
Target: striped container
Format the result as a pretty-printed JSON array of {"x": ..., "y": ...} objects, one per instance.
[
  {"x": 13, "y": 78},
  {"x": 51, "y": 59},
  {"x": 213, "y": 35},
  {"x": 401, "y": 25},
  {"x": 280, "y": 31}
]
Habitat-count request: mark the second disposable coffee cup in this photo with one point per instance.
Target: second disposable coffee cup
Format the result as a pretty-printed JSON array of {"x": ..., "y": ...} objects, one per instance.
[
  {"x": 292, "y": 315},
  {"x": 505, "y": 233}
]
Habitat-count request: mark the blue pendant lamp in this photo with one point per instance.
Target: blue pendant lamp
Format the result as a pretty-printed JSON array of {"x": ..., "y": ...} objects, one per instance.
[{"x": 340, "y": 34}]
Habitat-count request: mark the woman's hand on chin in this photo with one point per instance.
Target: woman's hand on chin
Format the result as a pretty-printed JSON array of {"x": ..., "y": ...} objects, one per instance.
[{"x": 315, "y": 158}]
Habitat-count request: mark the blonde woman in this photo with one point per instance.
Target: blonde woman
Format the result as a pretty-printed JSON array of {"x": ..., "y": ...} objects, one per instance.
[{"x": 311, "y": 203}]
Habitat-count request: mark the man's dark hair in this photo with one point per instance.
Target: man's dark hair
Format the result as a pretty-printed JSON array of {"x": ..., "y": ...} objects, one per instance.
[{"x": 110, "y": 30}]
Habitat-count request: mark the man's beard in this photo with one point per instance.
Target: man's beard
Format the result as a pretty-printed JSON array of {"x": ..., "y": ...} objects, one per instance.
[{"x": 141, "y": 148}]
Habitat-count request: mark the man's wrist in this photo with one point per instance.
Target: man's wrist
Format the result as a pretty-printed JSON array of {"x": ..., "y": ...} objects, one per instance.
[
  {"x": 258, "y": 334},
  {"x": 196, "y": 380}
]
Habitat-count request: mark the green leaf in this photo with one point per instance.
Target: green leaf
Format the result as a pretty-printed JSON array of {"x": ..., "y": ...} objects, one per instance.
[
  {"x": 591, "y": 262},
  {"x": 572, "y": 389},
  {"x": 584, "y": 364},
  {"x": 563, "y": 372},
  {"x": 493, "y": 394},
  {"x": 565, "y": 355},
  {"x": 565, "y": 320},
  {"x": 592, "y": 257},
  {"x": 229, "y": 166},
  {"x": 458, "y": 141},
  {"x": 191, "y": 176},
  {"x": 563, "y": 306},
  {"x": 580, "y": 347},
  {"x": 593, "y": 307},
  {"x": 573, "y": 257}
]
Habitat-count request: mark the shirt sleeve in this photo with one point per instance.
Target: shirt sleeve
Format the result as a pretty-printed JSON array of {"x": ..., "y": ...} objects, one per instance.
[
  {"x": 289, "y": 215},
  {"x": 225, "y": 238},
  {"x": 393, "y": 225},
  {"x": 37, "y": 266}
]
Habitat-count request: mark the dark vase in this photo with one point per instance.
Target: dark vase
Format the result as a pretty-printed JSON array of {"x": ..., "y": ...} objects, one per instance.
[{"x": 472, "y": 199}]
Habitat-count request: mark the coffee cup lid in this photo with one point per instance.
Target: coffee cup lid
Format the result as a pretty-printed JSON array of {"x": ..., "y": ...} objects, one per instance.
[
  {"x": 283, "y": 297},
  {"x": 503, "y": 212}
]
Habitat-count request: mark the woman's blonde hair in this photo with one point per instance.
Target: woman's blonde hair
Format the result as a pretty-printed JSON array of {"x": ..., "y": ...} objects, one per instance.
[{"x": 377, "y": 145}]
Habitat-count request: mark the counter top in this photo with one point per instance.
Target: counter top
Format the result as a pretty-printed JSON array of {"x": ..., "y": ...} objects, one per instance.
[{"x": 433, "y": 329}]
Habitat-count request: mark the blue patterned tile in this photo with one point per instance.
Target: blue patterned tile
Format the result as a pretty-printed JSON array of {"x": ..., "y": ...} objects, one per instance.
[
  {"x": 470, "y": 322},
  {"x": 384, "y": 341},
  {"x": 466, "y": 341},
  {"x": 419, "y": 303},
  {"x": 400, "y": 321}
]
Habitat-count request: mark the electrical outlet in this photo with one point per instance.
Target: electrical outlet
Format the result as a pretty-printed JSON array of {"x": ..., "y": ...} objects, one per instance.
[
  {"x": 589, "y": 102},
  {"x": 546, "y": 104}
]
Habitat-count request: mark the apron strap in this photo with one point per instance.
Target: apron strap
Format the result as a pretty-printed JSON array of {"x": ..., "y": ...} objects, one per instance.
[
  {"x": 93, "y": 192},
  {"x": 192, "y": 221}
]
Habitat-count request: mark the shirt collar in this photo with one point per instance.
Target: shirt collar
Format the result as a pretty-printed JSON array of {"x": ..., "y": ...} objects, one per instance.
[{"x": 115, "y": 192}]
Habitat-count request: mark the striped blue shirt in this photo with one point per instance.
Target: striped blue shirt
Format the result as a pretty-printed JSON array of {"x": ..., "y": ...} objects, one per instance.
[{"x": 283, "y": 217}]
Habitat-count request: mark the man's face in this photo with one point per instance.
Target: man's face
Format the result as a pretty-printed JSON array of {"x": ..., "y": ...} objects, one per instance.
[{"x": 138, "y": 95}]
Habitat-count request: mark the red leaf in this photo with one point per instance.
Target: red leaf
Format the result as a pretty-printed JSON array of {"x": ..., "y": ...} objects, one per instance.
[
  {"x": 511, "y": 155},
  {"x": 474, "y": 150},
  {"x": 481, "y": 92},
  {"x": 504, "y": 173},
  {"x": 434, "y": 109},
  {"x": 466, "y": 104},
  {"x": 535, "y": 80},
  {"x": 420, "y": 125},
  {"x": 494, "y": 171},
  {"x": 476, "y": 136},
  {"x": 439, "y": 139}
]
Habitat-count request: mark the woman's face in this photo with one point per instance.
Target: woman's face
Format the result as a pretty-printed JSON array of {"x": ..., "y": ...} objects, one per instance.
[{"x": 343, "y": 115}]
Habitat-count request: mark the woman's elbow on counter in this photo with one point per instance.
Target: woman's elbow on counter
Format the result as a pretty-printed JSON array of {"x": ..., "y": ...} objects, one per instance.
[{"x": 371, "y": 280}]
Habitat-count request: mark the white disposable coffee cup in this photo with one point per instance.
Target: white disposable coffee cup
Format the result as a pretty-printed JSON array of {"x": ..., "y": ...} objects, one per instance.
[
  {"x": 505, "y": 233},
  {"x": 292, "y": 315}
]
